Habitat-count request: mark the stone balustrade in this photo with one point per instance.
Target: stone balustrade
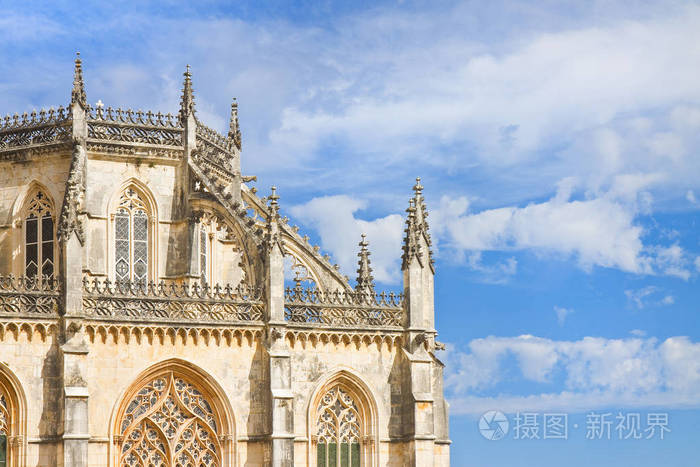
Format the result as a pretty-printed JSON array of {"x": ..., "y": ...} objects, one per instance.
[
  {"x": 25, "y": 296},
  {"x": 343, "y": 309}
]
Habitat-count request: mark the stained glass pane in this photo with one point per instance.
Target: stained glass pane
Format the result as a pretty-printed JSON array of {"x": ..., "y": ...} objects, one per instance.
[
  {"x": 203, "y": 255},
  {"x": 31, "y": 230},
  {"x": 47, "y": 229},
  {"x": 140, "y": 246},
  {"x": 355, "y": 454},
  {"x": 121, "y": 226},
  {"x": 121, "y": 246},
  {"x": 344, "y": 455},
  {"x": 32, "y": 265},
  {"x": 321, "y": 455},
  {"x": 332, "y": 455}
]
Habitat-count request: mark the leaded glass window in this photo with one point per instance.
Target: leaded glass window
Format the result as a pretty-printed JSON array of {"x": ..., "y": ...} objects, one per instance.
[
  {"x": 39, "y": 238},
  {"x": 131, "y": 238},
  {"x": 4, "y": 428},
  {"x": 169, "y": 422},
  {"x": 338, "y": 430},
  {"x": 203, "y": 254}
]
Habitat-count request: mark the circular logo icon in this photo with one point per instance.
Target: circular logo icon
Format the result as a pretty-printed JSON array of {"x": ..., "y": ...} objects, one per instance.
[{"x": 493, "y": 425}]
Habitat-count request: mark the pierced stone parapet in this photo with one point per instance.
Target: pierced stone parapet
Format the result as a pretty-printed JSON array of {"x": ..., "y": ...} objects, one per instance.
[
  {"x": 35, "y": 129},
  {"x": 29, "y": 295},
  {"x": 130, "y": 126},
  {"x": 213, "y": 157},
  {"x": 137, "y": 117},
  {"x": 215, "y": 138},
  {"x": 344, "y": 309},
  {"x": 141, "y": 301}
]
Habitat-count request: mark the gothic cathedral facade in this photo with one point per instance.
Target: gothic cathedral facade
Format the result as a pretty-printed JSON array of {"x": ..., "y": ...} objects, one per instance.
[{"x": 148, "y": 316}]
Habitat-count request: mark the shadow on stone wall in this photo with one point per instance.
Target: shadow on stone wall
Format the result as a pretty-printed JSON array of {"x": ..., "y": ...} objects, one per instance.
[{"x": 50, "y": 420}]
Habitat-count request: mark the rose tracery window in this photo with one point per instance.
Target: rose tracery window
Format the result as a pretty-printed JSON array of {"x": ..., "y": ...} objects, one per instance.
[
  {"x": 338, "y": 430},
  {"x": 39, "y": 237},
  {"x": 169, "y": 423},
  {"x": 131, "y": 238}
]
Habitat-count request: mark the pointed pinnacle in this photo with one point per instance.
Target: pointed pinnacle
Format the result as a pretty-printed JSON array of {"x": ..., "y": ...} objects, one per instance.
[
  {"x": 187, "y": 100},
  {"x": 234, "y": 130},
  {"x": 78, "y": 93},
  {"x": 364, "y": 272},
  {"x": 273, "y": 200}
]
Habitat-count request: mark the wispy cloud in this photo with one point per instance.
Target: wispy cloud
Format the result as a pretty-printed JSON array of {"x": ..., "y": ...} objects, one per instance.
[
  {"x": 649, "y": 296},
  {"x": 562, "y": 313},
  {"x": 595, "y": 373}
]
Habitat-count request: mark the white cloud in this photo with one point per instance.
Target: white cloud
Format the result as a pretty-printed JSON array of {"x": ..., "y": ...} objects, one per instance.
[
  {"x": 596, "y": 373},
  {"x": 638, "y": 332},
  {"x": 600, "y": 231},
  {"x": 334, "y": 219},
  {"x": 648, "y": 296},
  {"x": 690, "y": 196},
  {"x": 562, "y": 313}
]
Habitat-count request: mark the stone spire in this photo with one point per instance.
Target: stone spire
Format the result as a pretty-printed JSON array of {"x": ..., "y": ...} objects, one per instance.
[
  {"x": 365, "y": 281},
  {"x": 234, "y": 130},
  {"x": 187, "y": 100},
  {"x": 417, "y": 236},
  {"x": 78, "y": 94}
]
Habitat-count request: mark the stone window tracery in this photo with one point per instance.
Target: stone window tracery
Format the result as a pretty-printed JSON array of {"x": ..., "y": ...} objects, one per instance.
[
  {"x": 204, "y": 252},
  {"x": 338, "y": 430},
  {"x": 131, "y": 223},
  {"x": 39, "y": 237},
  {"x": 169, "y": 423}
]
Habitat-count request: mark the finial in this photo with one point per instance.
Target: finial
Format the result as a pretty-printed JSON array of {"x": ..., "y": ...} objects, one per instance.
[
  {"x": 234, "y": 130},
  {"x": 78, "y": 94},
  {"x": 274, "y": 206},
  {"x": 418, "y": 188},
  {"x": 187, "y": 101},
  {"x": 365, "y": 281}
]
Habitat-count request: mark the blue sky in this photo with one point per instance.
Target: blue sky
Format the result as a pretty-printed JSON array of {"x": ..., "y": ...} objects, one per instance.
[{"x": 557, "y": 143}]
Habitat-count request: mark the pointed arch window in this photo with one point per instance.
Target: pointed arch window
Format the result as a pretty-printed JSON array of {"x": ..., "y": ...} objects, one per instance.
[
  {"x": 11, "y": 431},
  {"x": 338, "y": 430},
  {"x": 204, "y": 252},
  {"x": 169, "y": 422},
  {"x": 39, "y": 237},
  {"x": 131, "y": 225}
]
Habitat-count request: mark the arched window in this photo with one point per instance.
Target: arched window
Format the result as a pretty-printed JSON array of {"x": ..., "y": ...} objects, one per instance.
[
  {"x": 39, "y": 258},
  {"x": 4, "y": 427},
  {"x": 131, "y": 253},
  {"x": 338, "y": 430},
  {"x": 205, "y": 247},
  {"x": 169, "y": 423},
  {"x": 11, "y": 425}
]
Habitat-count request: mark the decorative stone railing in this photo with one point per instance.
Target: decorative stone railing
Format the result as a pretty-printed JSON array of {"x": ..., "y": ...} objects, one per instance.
[
  {"x": 128, "y": 126},
  {"x": 28, "y": 296},
  {"x": 215, "y": 138},
  {"x": 343, "y": 309},
  {"x": 35, "y": 129},
  {"x": 126, "y": 300}
]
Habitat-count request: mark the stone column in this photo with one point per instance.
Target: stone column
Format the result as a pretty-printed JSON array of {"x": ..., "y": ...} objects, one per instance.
[
  {"x": 280, "y": 376},
  {"x": 71, "y": 234}
]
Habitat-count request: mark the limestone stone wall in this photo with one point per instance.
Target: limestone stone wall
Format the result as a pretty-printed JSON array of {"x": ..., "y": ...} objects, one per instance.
[{"x": 19, "y": 179}]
